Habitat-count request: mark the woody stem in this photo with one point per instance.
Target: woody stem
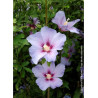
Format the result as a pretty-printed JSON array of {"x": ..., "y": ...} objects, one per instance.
[
  {"x": 48, "y": 94},
  {"x": 46, "y": 11}
]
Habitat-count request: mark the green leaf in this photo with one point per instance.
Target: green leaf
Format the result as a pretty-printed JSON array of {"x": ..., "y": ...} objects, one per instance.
[
  {"x": 19, "y": 42},
  {"x": 18, "y": 39},
  {"x": 25, "y": 42},
  {"x": 23, "y": 73},
  {"x": 43, "y": 61},
  {"x": 14, "y": 61},
  {"x": 17, "y": 85},
  {"x": 59, "y": 94},
  {"x": 66, "y": 84},
  {"x": 77, "y": 93},
  {"x": 65, "y": 55},
  {"x": 19, "y": 68},
  {"x": 25, "y": 63},
  {"x": 38, "y": 26},
  {"x": 78, "y": 68},
  {"x": 19, "y": 36},
  {"x": 28, "y": 70},
  {"x": 14, "y": 20},
  {"x": 48, "y": 63},
  {"x": 69, "y": 69},
  {"x": 14, "y": 28},
  {"x": 44, "y": 92}
]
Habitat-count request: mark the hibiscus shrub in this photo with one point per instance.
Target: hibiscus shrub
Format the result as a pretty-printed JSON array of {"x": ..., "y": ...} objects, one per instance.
[{"x": 48, "y": 53}]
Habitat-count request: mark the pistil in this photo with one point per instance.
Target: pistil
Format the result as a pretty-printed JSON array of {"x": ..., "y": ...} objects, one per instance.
[
  {"x": 65, "y": 23},
  {"x": 48, "y": 76},
  {"x": 46, "y": 48}
]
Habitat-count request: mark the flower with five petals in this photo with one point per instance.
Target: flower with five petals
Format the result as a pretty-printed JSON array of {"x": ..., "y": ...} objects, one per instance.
[
  {"x": 48, "y": 76},
  {"x": 63, "y": 24},
  {"x": 45, "y": 44}
]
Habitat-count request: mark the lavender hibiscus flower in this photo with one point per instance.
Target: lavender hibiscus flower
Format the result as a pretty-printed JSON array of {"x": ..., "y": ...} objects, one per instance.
[
  {"x": 65, "y": 60},
  {"x": 48, "y": 76},
  {"x": 35, "y": 22},
  {"x": 63, "y": 24},
  {"x": 45, "y": 44},
  {"x": 33, "y": 26}
]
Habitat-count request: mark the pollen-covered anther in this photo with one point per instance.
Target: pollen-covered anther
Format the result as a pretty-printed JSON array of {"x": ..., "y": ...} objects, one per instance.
[
  {"x": 46, "y": 47},
  {"x": 48, "y": 76},
  {"x": 66, "y": 22}
]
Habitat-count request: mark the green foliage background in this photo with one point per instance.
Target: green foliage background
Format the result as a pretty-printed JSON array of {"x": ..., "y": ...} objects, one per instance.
[{"x": 24, "y": 79}]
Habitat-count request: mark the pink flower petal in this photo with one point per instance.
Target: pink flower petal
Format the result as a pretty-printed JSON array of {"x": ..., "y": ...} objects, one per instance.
[
  {"x": 58, "y": 41},
  {"x": 74, "y": 30},
  {"x": 36, "y": 21},
  {"x": 59, "y": 70},
  {"x": 71, "y": 49},
  {"x": 70, "y": 24},
  {"x": 65, "y": 61},
  {"x": 64, "y": 28},
  {"x": 59, "y": 18},
  {"x": 55, "y": 83},
  {"x": 36, "y": 54},
  {"x": 38, "y": 71},
  {"x": 42, "y": 83},
  {"x": 47, "y": 68},
  {"x": 52, "y": 67},
  {"x": 51, "y": 56},
  {"x": 35, "y": 39},
  {"x": 47, "y": 34}
]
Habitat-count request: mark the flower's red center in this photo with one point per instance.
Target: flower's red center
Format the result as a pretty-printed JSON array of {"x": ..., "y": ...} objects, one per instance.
[
  {"x": 47, "y": 47},
  {"x": 32, "y": 26},
  {"x": 49, "y": 76}
]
